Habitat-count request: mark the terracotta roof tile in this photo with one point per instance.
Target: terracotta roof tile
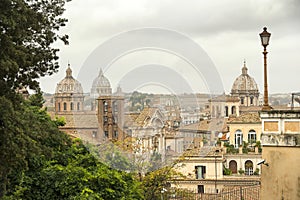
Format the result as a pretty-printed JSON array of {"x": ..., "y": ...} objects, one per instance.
[{"x": 246, "y": 118}]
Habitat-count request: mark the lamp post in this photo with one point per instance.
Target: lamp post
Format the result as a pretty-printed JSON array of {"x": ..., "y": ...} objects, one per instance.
[{"x": 265, "y": 37}]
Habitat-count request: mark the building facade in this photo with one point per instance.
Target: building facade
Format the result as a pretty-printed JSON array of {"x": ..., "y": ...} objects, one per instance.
[{"x": 280, "y": 177}]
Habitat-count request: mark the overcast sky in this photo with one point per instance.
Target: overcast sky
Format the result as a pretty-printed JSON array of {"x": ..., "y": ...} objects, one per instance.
[{"x": 227, "y": 31}]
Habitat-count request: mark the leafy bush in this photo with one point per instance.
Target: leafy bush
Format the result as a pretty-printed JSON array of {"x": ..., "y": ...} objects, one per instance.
[
  {"x": 226, "y": 171},
  {"x": 256, "y": 172},
  {"x": 241, "y": 171}
]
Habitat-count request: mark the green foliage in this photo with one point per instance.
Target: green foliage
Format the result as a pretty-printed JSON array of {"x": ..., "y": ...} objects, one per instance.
[
  {"x": 28, "y": 138},
  {"x": 245, "y": 147},
  {"x": 112, "y": 155},
  {"x": 60, "y": 121},
  {"x": 40, "y": 162},
  {"x": 258, "y": 145},
  {"x": 36, "y": 99},
  {"x": 226, "y": 171},
  {"x": 82, "y": 177},
  {"x": 241, "y": 171},
  {"x": 230, "y": 148},
  {"x": 155, "y": 161},
  {"x": 37, "y": 161},
  {"x": 28, "y": 30},
  {"x": 256, "y": 172},
  {"x": 159, "y": 181},
  {"x": 155, "y": 181},
  {"x": 138, "y": 101}
]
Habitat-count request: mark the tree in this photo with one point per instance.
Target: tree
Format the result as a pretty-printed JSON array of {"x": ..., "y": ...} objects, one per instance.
[
  {"x": 28, "y": 138},
  {"x": 28, "y": 28},
  {"x": 78, "y": 176},
  {"x": 40, "y": 162}
]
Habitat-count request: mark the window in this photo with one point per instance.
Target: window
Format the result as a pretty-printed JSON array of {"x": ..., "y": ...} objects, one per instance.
[
  {"x": 233, "y": 110},
  {"x": 238, "y": 138},
  {"x": 233, "y": 166},
  {"x": 176, "y": 124},
  {"x": 105, "y": 106},
  {"x": 242, "y": 100},
  {"x": 200, "y": 172},
  {"x": 65, "y": 106},
  {"x": 251, "y": 100},
  {"x": 226, "y": 111},
  {"x": 94, "y": 134},
  {"x": 78, "y": 106},
  {"x": 72, "y": 106},
  {"x": 58, "y": 105},
  {"x": 115, "y": 134},
  {"x": 105, "y": 118},
  {"x": 106, "y": 134},
  {"x": 251, "y": 137},
  {"x": 200, "y": 188},
  {"x": 249, "y": 167},
  {"x": 115, "y": 107}
]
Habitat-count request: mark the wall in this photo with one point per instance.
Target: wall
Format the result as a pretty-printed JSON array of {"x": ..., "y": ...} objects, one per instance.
[{"x": 281, "y": 179}]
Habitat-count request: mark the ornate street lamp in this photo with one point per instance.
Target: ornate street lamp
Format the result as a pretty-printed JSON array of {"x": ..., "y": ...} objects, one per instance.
[{"x": 265, "y": 37}]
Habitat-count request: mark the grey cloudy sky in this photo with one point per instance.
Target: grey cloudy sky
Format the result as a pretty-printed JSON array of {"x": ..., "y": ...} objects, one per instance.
[{"x": 226, "y": 30}]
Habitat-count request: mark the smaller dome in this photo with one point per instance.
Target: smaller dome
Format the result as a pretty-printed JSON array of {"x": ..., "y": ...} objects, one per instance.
[
  {"x": 244, "y": 83},
  {"x": 101, "y": 85},
  {"x": 69, "y": 84},
  {"x": 101, "y": 80}
]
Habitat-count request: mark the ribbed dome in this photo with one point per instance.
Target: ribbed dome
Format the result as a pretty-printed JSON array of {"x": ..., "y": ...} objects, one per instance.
[
  {"x": 69, "y": 84},
  {"x": 244, "y": 83},
  {"x": 101, "y": 85},
  {"x": 101, "y": 80}
]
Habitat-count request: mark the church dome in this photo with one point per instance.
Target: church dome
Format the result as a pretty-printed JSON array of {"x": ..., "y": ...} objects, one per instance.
[
  {"x": 101, "y": 85},
  {"x": 244, "y": 83},
  {"x": 69, "y": 85}
]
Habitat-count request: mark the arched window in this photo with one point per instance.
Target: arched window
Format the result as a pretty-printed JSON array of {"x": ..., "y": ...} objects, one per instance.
[
  {"x": 65, "y": 106},
  {"x": 58, "y": 105},
  {"x": 233, "y": 110},
  {"x": 251, "y": 100},
  {"x": 226, "y": 111},
  {"x": 242, "y": 100},
  {"x": 249, "y": 167},
  {"x": 251, "y": 137},
  {"x": 233, "y": 166},
  {"x": 238, "y": 138},
  {"x": 72, "y": 106},
  {"x": 105, "y": 106},
  {"x": 78, "y": 106}
]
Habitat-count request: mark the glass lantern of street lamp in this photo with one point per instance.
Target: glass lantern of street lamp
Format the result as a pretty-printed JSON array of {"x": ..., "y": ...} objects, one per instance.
[{"x": 265, "y": 37}]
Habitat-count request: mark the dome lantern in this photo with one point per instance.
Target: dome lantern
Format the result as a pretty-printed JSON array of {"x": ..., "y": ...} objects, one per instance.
[{"x": 69, "y": 72}]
